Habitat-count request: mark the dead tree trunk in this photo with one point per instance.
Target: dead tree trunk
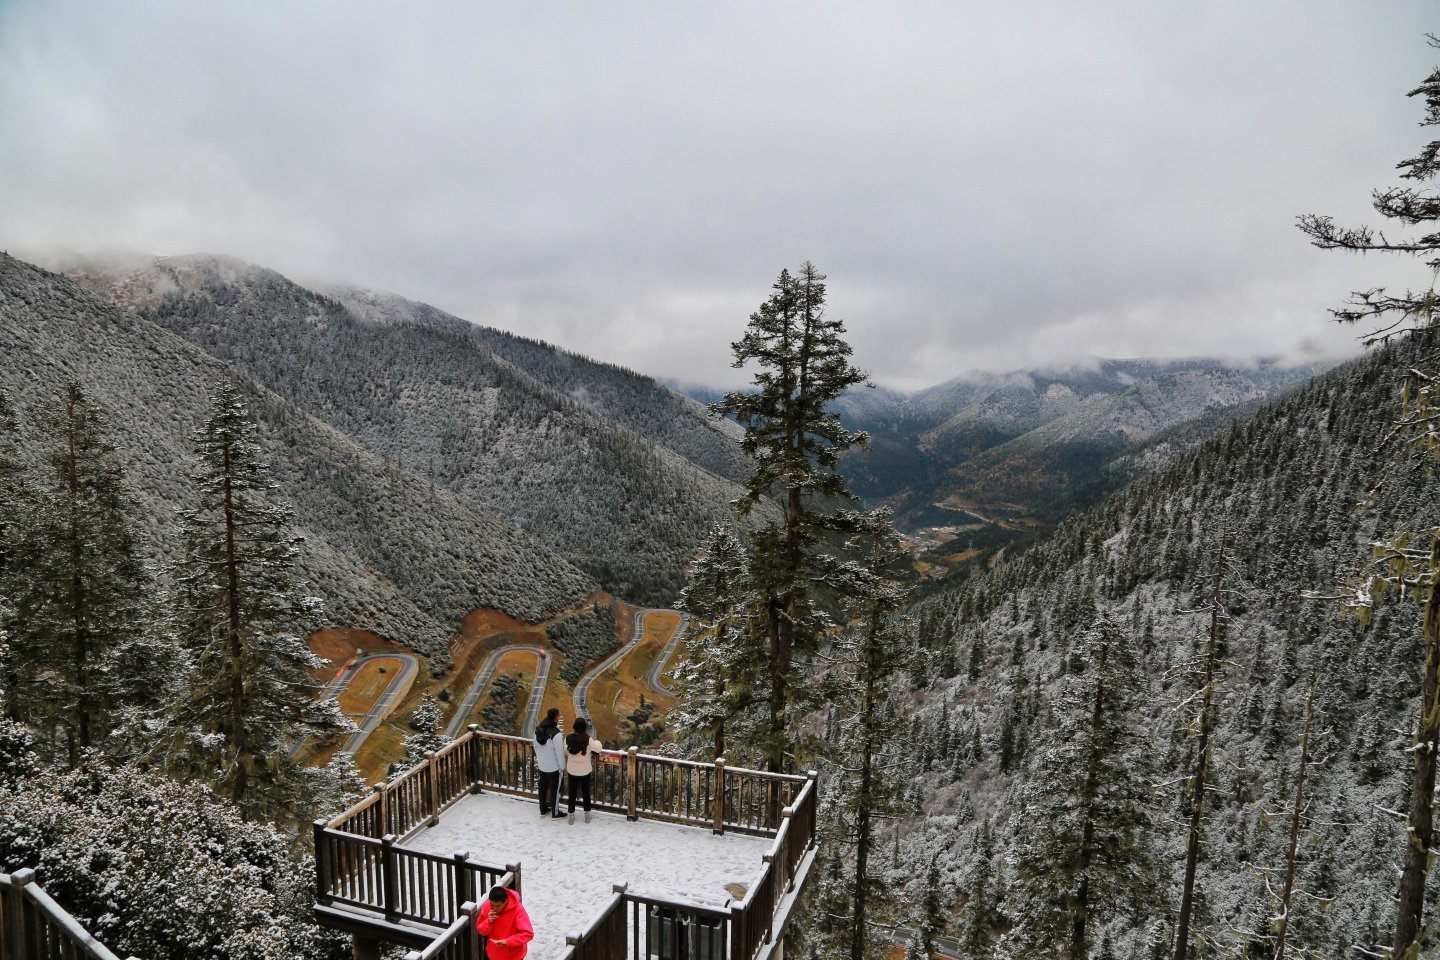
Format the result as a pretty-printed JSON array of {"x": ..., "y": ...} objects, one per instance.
[{"x": 1202, "y": 762}]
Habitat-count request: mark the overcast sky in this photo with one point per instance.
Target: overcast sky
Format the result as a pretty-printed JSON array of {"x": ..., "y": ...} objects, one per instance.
[{"x": 988, "y": 185}]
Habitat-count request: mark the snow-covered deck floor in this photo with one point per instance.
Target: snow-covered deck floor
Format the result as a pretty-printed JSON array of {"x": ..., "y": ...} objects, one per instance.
[{"x": 567, "y": 871}]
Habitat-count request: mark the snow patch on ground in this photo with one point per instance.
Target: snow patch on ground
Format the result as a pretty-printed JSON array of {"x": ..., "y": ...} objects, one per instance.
[{"x": 567, "y": 871}]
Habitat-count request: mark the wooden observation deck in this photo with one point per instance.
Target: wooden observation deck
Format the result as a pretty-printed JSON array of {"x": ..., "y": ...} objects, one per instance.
[{"x": 376, "y": 880}]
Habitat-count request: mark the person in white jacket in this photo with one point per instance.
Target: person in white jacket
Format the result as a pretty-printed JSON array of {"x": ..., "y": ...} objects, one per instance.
[
  {"x": 580, "y": 747},
  {"x": 550, "y": 758}
]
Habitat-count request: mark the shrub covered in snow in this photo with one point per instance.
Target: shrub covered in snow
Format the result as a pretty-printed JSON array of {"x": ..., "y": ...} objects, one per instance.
[{"x": 161, "y": 870}]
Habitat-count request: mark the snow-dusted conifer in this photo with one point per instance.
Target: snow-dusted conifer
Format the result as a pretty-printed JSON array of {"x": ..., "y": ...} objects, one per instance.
[
  {"x": 75, "y": 578},
  {"x": 715, "y": 678},
  {"x": 243, "y": 614},
  {"x": 864, "y": 661},
  {"x": 427, "y": 738},
  {"x": 932, "y": 917},
  {"x": 1084, "y": 857},
  {"x": 1414, "y": 564},
  {"x": 795, "y": 444},
  {"x": 12, "y": 495}
]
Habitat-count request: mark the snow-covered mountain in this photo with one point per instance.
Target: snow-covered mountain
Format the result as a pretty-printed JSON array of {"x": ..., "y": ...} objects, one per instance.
[
  {"x": 555, "y": 455},
  {"x": 388, "y": 550},
  {"x": 1280, "y": 485}
]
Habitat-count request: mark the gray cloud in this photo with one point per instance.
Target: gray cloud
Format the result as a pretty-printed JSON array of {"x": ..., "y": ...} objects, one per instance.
[{"x": 988, "y": 185}]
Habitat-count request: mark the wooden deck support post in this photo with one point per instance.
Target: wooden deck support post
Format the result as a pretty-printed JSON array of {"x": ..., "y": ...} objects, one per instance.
[
  {"x": 432, "y": 788},
  {"x": 718, "y": 801},
  {"x": 389, "y": 880},
  {"x": 634, "y": 784},
  {"x": 514, "y": 868},
  {"x": 477, "y": 761},
  {"x": 364, "y": 948},
  {"x": 322, "y": 881}
]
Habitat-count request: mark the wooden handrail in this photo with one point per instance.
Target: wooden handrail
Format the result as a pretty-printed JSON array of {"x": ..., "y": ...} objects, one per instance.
[
  {"x": 461, "y": 929},
  {"x": 357, "y": 852},
  {"x": 37, "y": 924}
]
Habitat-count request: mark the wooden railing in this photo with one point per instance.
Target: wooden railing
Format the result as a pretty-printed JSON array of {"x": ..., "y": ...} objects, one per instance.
[
  {"x": 632, "y": 927},
  {"x": 403, "y": 884},
  {"x": 35, "y": 927},
  {"x": 359, "y": 862},
  {"x": 461, "y": 941},
  {"x": 628, "y": 782}
]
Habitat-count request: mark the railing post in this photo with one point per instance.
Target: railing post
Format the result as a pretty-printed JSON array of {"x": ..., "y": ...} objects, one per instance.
[
  {"x": 477, "y": 759},
  {"x": 514, "y": 868},
  {"x": 389, "y": 878},
  {"x": 432, "y": 792},
  {"x": 718, "y": 802},
  {"x": 814, "y": 777},
  {"x": 322, "y": 858},
  {"x": 23, "y": 922},
  {"x": 738, "y": 933},
  {"x": 464, "y": 883},
  {"x": 787, "y": 814},
  {"x": 470, "y": 942},
  {"x": 382, "y": 802},
  {"x": 634, "y": 785}
]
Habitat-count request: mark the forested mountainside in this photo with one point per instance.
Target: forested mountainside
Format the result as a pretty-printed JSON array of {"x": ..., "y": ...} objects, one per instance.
[
  {"x": 633, "y": 400},
  {"x": 414, "y": 388},
  {"x": 387, "y": 550},
  {"x": 1280, "y": 489}
]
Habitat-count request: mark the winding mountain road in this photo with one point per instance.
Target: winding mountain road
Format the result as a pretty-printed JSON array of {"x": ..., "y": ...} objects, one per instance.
[
  {"x": 409, "y": 667},
  {"x": 582, "y": 689},
  {"x": 658, "y": 667},
  {"x": 482, "y": 680}
]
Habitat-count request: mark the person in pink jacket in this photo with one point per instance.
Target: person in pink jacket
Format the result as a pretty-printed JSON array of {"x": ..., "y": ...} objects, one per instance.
[
  {"x": 580, "y": 747},
  {"x": 504, "y": 921}
]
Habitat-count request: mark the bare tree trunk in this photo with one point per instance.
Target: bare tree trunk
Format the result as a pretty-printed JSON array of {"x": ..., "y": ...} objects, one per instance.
[
  {"x": 1422, "y": 785},
  {"x": 862, "y": 818},
  {"x": 1295, "y": 817},
  {"x": 232, "y": 635},
  {"x": 1202, "y": 761},
  {"x": 1080, "y": 904}
]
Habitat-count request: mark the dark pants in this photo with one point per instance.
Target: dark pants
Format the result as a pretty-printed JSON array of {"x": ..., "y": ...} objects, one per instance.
[
  {"x": 549, "y": 792},
  {"x": 583, "y": 785}
]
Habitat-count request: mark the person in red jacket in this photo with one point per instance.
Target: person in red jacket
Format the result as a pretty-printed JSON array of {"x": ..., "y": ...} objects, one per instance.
[{"x": 504, "y": 921}]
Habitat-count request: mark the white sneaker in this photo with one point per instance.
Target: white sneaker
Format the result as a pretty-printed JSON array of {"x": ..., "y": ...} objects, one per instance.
[
  {"x": 587, "y": 816},
  {"x": 572, "y": 817}
]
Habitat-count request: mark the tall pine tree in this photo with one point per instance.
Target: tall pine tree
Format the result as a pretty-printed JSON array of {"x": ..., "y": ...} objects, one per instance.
[
  {"x": 243, "y": 615},
  {"x": 1413, "y": 313},
  {"x": 75, "y": 579},
  {"x": 865, "y": 661},
  {"x": 715, "y": 677},
  {"x": 795, "y": 443},
  {"x": 1084, "y": 854}
]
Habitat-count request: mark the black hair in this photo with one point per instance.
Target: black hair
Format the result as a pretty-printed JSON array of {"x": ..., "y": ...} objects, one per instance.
[
  {"x": 498, "y": 894},
  {"x": 579, "y": 741},
  {"x": 552, "y": 713}
]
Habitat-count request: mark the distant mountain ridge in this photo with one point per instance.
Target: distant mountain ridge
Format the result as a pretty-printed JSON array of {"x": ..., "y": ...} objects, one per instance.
[
  {"x": 1022, "y": 437},
  {"x": 422, "y": 389},
  {"x": 388, "y": 551}
]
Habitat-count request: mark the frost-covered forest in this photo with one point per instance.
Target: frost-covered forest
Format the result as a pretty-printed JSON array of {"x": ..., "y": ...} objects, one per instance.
[
  {"x": 412, "y": 386},
  {"x": 387, "y": 550},
  {"x": 1282, "y": 488}
]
